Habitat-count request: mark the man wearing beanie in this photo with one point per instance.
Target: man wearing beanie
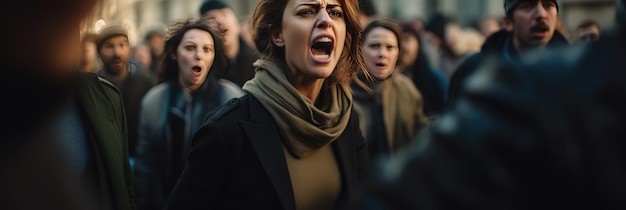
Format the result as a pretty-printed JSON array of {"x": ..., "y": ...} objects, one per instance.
[
  {"x": 529, "y": 25},
  {"x": 241, "y": 56},
  {"x": 114, "y": 50}
]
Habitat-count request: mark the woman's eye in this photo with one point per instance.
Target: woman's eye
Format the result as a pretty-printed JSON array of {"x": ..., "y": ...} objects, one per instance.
[
  {"x": 190, "y": 47},
  {"x": 306, "y": 12},
  {"x": 336, "y": 13}
]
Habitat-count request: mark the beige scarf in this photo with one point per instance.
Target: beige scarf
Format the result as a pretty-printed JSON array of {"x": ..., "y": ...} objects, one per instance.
[{"x": 304, "y": 127}]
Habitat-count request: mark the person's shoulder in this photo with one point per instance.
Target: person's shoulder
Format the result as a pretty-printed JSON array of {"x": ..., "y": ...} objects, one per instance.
[
  {"x": 106, "y": 84},
  {"x": 234, "y": 110},
  {"x": 405, "y": 84},
  {"x": 230, "y": 89},
  {"x": 404, "y": 81},
  {"x": 496, "y": 42},
  {"x": 155, "y": 93}
]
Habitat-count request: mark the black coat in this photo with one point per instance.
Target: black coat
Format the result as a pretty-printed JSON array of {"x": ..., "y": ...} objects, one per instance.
[{"x": 237, "y": 162}]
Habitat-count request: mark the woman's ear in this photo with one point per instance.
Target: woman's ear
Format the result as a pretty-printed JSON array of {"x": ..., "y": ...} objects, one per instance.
[
  {"x": 277, "y": 38},
  {"x": 172, "y": 57}
]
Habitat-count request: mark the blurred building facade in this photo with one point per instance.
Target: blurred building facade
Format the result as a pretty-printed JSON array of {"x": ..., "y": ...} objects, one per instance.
[{"x": 142, "y": 15}]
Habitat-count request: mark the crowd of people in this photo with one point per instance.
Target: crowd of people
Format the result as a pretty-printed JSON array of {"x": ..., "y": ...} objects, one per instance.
[{"x": 313, "y": 104}]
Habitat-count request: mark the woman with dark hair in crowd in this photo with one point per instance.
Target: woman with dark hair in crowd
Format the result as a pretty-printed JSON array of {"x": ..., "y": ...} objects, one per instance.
[
  {"x": 293, "y": 142},
  {"x": 173, "y": 110},
  {"x": 414, "y": 63},
  {"x": 390, "y": 105}
]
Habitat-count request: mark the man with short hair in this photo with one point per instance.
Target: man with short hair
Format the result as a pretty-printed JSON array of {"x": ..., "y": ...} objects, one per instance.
[
  {"x": 114, "y": 50},
  {"x": 528, "y": 25},
  {"x": 588, "y": 31},
  {"x": 241, "y": 56}
]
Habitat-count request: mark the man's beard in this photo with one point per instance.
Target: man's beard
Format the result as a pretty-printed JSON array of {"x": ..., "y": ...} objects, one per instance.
[{"x": 115, "y": 70}]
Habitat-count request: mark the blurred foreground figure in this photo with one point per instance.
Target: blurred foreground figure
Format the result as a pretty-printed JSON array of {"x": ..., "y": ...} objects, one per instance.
[
  {"x": 63, "y": 143},
  {"x": 548, "y": 135}
]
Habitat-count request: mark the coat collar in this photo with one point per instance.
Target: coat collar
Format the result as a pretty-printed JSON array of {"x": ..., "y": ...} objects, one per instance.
[{"x": 267, "y": 143}]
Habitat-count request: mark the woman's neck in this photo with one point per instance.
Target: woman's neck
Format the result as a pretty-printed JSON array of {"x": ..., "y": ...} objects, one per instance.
[
  {"x": 187, "y": 88},
  {"x": 309, "y": 88}
]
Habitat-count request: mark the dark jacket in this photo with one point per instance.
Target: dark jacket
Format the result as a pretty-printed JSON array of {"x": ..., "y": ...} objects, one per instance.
[
  {"x": 499, "y": 45},
  {"x": 237, "y": 162},
  {"x": 546, "y": 135},
  {"x": 133, "y": 88},
  {"x": 109, "y": 168},
  {"x": 241, "y": 70},
  {"x": 432, "y": 84},
  {"x": 169, "y": 118}
]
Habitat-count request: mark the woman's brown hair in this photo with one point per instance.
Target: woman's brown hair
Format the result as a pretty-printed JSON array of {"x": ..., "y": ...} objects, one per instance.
[
  {"x": 169, "y": 68},
  {"x": 268, "y": 16}
]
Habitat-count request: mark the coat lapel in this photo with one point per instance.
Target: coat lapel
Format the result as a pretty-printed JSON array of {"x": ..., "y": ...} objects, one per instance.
[
  {"x": 266, "y": 141},
  {"x": 345, "y": 155}
]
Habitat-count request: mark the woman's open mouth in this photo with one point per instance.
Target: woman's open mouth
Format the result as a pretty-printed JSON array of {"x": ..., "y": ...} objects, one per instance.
[
  {"x": 321, "y": 49},
  {"x": 196, "y": 70}
]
